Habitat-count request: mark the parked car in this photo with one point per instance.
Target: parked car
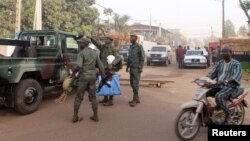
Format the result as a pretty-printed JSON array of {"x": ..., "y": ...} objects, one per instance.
[
  {"x": 161, "y": 54},
  {"x": 124, "y": 52},
  {"x": 195, "y": 58}
]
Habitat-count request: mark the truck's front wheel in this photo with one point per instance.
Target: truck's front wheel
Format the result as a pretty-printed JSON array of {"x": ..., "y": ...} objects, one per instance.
[{"x": 28, "y": 96}]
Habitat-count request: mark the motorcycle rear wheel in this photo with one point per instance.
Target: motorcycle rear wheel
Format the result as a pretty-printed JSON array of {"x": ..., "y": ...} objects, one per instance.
[
  {"x": 240, "y": 115},
  {"x": 183, "y": 128}
]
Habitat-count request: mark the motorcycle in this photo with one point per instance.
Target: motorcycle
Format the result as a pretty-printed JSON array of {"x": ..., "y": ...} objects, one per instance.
[{"x": 199, "y": 112}]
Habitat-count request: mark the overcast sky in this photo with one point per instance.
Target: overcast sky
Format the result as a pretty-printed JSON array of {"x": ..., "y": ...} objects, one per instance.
[{"x": 194, "y": 17}]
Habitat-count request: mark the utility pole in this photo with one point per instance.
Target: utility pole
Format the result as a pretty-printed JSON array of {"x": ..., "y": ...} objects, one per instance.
[
  {"x": 212, "y": 34},
  {"x": 150, "y": 30},
  {"x": 18, "y": 15},
  {"x": 37, "y": 25},
  {"x": 223, "y": 19}
]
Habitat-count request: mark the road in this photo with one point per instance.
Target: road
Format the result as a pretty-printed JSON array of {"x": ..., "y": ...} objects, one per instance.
[{"x": 152, "y": 120}]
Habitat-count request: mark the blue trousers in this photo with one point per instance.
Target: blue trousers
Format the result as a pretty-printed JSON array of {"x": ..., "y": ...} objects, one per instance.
[{"x": 222, "y": 96}]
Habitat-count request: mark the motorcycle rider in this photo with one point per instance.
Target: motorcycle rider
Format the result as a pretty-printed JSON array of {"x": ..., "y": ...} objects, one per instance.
[{"x": 226, "y": 71}]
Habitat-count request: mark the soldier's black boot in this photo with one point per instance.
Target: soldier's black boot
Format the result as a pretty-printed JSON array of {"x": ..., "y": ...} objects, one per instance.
[
  {"x": 95, "y": 116},
  {"x": 110, "y": 102},
  {"x": 135, "y": 98},
  {"x": 76, "y": 118},
  {"x": 105, "y": 99},
  {"x": 132, "y": 99}
]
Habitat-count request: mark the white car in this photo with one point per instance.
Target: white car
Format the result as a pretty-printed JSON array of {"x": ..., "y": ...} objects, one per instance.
[
  {"x": 195, "y": 58},
  {"x": 160, "y": 54}
]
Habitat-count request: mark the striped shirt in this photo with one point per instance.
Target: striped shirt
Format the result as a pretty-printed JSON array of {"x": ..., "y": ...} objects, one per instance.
[{"x": 226, "y": 71}]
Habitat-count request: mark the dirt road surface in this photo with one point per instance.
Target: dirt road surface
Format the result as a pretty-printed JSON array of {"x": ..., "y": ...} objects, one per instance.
[{"x": 152, "y": 120}]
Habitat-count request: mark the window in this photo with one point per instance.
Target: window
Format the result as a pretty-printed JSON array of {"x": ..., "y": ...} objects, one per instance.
[
  {"x": 194, "y": 53},
  {"x": 50, "y": 40},
  {"x": 71, "y": 42},
  {"x": 40, "y": 40}
]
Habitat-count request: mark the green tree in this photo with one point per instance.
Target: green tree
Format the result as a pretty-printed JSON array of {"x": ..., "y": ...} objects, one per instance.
[
  {"x": 69, "y": 15},
  {"x": 177, "y": 38},
  {"x": 7, "y": 18},
  {"x": 229, "y": 29},
  {"x": 108, "y": 11},
  {"x": 242, "y": 31},
  {"x": 120, "y": 23},
  {"x": 27, "y": 14},
  {"x": 245, "y": 6}
]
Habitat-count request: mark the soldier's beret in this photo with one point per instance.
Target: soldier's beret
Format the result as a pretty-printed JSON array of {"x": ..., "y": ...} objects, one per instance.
[{"x": 133, "y": 34}]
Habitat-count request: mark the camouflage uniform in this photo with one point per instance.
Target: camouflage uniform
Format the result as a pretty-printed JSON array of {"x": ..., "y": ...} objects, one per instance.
[
  {"x": 135, "y": 63},
  {"x": 87, "y": 61},
  {"x": 105, "y": 51}
]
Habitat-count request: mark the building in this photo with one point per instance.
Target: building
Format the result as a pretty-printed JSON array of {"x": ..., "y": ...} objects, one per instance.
[{"x": 150, "y": 32}]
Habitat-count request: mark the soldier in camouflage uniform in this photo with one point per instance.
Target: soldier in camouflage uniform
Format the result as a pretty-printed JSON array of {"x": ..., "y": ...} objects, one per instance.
[
  {"x": 106, "y": 50},
  {"x": 135, "y": 64},
  {"x": 87, "y": 61}
]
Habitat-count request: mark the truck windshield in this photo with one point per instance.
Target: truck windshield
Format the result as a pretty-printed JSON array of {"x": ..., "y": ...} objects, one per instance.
[{"x": 161, "y": 49}]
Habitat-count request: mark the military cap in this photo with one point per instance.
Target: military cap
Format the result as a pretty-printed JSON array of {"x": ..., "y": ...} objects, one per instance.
[
  {"x": 83, "y": 40},
  {"x": 133, "y": 34}
]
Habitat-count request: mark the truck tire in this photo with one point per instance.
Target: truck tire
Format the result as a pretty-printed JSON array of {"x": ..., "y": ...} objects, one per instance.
[
  {"x": 166, "y": 62},
  {"x": 28, "y": 96}
]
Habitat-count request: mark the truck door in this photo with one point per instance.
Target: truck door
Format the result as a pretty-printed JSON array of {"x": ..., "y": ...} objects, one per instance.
[{"x": 70, "y": 50}]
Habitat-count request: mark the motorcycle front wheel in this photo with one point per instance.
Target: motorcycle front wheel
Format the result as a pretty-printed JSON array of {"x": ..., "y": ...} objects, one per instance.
[{"x": 183, "y": 125}]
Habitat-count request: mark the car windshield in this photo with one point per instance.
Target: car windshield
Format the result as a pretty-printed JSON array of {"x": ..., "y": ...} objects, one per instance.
[
  {"x": 194, "y": 53},
  {"x": 161, "y": 49}
]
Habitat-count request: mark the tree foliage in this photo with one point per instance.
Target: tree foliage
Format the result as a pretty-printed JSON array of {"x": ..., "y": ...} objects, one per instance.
[
  {"x": 68, "y": 15},
  {"x": 7, "y": 18},
  {"x": 242, "y": 31},
  {"x": 246, "y": 4},
  {"x": 177, "y": 38},
  {"x": 120, "y": 23},
  {"x": 229, "y": 29}
]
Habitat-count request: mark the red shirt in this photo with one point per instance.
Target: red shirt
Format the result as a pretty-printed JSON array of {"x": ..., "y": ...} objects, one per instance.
[{"x": 180, "y": 52}]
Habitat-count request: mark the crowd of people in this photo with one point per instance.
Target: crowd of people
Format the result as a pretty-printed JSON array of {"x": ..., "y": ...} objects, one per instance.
[
  {"x": 225, "y": 70},
  {"x": 212, "y": 54}
]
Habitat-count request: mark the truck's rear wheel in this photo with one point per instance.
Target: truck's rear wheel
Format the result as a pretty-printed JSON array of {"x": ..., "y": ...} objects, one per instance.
[{"x": 28, "y": 96}]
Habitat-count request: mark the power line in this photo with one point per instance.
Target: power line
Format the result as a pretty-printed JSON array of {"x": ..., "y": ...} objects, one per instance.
[
  {"x": 139, "y": 20},
  {"x": 101, "y": 6}
]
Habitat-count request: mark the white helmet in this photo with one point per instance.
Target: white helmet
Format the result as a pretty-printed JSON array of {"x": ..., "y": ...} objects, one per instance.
[{"x": 110, "y": 59}]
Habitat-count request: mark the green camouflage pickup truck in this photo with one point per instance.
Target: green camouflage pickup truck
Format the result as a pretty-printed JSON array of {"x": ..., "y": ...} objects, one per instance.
[{"x": 40, "y": 58}]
